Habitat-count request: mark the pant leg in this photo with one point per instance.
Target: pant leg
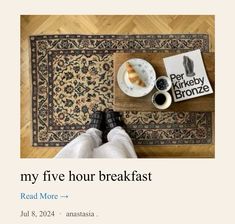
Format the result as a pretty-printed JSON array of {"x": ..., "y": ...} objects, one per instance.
[
  {"x": 119, "y": 145},
  {"x": 82, "y": 146}
]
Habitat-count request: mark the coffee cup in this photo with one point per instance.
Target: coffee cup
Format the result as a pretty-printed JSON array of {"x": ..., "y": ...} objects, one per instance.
[
  {"x": 161, "y": 100},
  {"x": 163, "y": 83}
]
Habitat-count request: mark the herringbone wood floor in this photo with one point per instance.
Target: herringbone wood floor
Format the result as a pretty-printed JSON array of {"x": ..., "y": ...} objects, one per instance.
[{"x": 152, "y": 24}]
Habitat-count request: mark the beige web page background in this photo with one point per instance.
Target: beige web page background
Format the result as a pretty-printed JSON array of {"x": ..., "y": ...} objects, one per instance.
[{"x": 182, "y": 191}]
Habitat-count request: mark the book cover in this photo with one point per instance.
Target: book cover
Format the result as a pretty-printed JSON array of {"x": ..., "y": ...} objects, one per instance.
[{"x": 188, "y": 75}]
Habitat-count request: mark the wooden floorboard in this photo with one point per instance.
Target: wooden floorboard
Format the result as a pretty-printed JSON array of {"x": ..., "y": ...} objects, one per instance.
[{"x": 117, "y": 24}]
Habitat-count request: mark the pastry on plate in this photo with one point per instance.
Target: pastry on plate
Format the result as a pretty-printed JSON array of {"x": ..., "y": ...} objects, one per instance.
[{"x": 133, "y": 76}]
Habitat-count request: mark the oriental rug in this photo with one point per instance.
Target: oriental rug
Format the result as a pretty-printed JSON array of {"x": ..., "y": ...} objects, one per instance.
[{"x": 72, "y": 75}]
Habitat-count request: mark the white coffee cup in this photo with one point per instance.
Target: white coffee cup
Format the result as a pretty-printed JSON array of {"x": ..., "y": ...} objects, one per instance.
[{"x": 161, "y": 100}]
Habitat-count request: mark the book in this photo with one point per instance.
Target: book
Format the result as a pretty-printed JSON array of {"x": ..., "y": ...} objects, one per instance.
[{"x": 188, "y": 75}]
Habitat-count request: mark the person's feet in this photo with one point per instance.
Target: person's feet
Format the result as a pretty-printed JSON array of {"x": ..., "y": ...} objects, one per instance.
[
  {"x": 105, "y": 121},
  {"x": 112, "y": 119},
  {"x": 97, "y": 120}
]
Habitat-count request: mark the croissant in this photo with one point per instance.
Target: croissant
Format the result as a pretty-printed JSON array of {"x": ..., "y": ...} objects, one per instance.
[{"x": 133, "y": 76}]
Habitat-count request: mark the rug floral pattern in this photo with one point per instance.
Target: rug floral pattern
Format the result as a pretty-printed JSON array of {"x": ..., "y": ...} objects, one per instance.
[{"x": 72, "y": 75}]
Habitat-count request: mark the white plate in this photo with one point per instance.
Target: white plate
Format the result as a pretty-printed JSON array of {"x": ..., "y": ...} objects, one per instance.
[{"x": 146, "y": 72}]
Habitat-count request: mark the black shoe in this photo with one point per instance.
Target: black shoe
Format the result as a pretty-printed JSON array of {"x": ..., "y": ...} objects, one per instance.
[
  {"x": 112, "y": 119},
  {"x": 97, "y": 120}
]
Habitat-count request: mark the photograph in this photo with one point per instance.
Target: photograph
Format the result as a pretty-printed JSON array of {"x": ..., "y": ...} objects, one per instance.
[{"x": 117, "y": 86}]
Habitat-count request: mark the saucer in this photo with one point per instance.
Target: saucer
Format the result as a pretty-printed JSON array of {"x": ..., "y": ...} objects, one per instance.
[{"x": 146, "y": 73}]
